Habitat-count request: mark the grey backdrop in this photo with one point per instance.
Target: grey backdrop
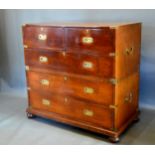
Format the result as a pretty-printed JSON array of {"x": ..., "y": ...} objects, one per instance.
[{"x": 11, "y": 50}]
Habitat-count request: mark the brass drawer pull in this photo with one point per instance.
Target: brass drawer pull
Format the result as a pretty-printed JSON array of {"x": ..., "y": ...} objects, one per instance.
[
  {"x": 87, "y": 40},
  {"x": 87, "y": 112},
  {"x": 43, "y": 59},
  {"x": 65, "y": 78},
  {"x": 87, "y": 64},
  {"x": 64, "y": 53},
  {"x": 129, "y": 98},
  {"x": 66, "y": 99},
  {"x": 44, "y": 82},
  {"x": 88, "y": 90},
  {"x": 42, "y": 37},
  {"x": 46, "y": 102}
]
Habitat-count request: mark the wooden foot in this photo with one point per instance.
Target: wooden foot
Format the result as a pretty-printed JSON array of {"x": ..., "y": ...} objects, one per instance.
[
  {"x": 29, "y": 115},
  {"x": 136, "y": 119},
  {"x": 114, "y": 139}
]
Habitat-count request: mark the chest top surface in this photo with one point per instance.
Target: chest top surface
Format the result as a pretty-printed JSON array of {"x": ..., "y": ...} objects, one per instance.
[{"x": 80, "y": 24}]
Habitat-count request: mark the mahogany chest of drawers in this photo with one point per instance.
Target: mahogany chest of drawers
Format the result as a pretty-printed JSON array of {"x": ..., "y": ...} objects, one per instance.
[{"x": 85, "y": 75}]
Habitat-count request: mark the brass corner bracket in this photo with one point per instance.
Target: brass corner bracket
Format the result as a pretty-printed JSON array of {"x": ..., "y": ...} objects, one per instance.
[
  {"x": 25, "y": 46},
  {"x": 113, "y": 81},
  {"x": 27, "y": 68},
  {"x": 113, "y": 54},
  {"x": 111, "y": 106}
]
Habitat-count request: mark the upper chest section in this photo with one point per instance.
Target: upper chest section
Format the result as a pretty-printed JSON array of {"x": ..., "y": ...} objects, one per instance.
[{"x": 95, "y": 41}]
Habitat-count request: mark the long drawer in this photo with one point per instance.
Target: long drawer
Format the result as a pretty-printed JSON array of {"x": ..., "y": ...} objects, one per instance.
[
  {"x": 71, "y": 62},
  {"x": 96, "y": 91},
  {"x": 70, "y": 107}
]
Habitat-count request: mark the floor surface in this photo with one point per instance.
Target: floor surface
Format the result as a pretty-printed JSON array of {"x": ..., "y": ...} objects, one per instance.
[{"x": 15, "y": 128}]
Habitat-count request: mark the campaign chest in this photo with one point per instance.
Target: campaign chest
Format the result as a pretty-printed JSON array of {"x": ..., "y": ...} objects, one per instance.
[{"x": 85, "y": 75}]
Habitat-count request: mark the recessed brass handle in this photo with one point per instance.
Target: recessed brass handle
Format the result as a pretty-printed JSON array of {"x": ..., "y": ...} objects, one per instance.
[
  {"x": 44, "y": 82},
  {"x": 43, "y": 59},
  {"x": 88, "y": 90},
  {"x": 65, "y": 78},
  {"x": 129, "y": 98},
  {"x": 64, "y": 53},
  {"x": 87, "y": 64},
  {"x": 87, "y": 40},
  {"x": 42, "y": 37},
  {"x": 46, "y": 102},
  {"x": 87, "y": 112},
  {"x": 66, "y": 99}
]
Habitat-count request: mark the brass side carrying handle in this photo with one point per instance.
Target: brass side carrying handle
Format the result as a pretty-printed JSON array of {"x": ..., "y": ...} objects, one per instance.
[
  {"x": 129, "y": 98},
  {"x": 42, "y": 37},
  {"x": 87, "y": 64},
  {"x": 87, "y": 112},
  {"x": 43, "y": 59},
  {"x": 46, "y": 102},
  {"x": 44, "y": 82},
  {"x": 87, "y": 40},
  {"x": 129, "y": 51}
]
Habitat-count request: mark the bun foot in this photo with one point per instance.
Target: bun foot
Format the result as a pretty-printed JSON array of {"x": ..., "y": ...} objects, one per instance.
[
  {"x": 29, "y": 115},
  {"x": 136, "y": 119},
  {"x": 114, "y": 139}
]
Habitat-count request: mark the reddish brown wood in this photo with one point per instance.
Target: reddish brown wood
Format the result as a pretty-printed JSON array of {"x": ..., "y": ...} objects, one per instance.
[
  {"x": 72, "y": 108},
  {"x": 106, "y": 89},
  {"x": 54, "y": 40},
  {"x": 62, "y": 61},
  {"x": 103, "y": 91},
  {"x": 126, "y": 109},
  {"x": 128, "y": 39},
  {"x": 103, "y": 40},
  {"x": 67, "y": 120}
]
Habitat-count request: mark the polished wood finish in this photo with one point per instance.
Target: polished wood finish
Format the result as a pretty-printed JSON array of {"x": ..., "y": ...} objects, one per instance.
[
  {"x": 128, "y": 39},
  {"x": 62, "y": 61},
  {"x": 86, "y": 75},
  {"x": 73, "y": 108},
  {"x": 126, "y": 99},
  {"x": 43, "y": 37},
  {"x": 100, "y": 92},
  {"x": 102, "y": 44}
]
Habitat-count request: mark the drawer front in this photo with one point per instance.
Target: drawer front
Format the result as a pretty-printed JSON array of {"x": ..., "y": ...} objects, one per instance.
[
  {"x": 70, "y": 62},
  {"x": 58, "y": 61},
  {"x": 100, "y": 92},
  {"x": 73, "y": 108},
  {"x": 43, "y": 37},
  {"x": 98, "y": 41},
  {"x": 103, "y": 67}
]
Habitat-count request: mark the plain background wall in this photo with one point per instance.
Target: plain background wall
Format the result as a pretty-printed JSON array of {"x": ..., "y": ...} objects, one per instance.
[{"x": 11, "y": 49}]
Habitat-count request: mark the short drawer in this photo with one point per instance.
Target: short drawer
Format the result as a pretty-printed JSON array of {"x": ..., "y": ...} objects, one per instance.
[
  {"x": 43, "y": 37},
  {"x": 96, "y": 91},
  {"x": 97, "y": 41},
  {"x": 70, "y": 62},
  {"x": 70, "y": 107}
]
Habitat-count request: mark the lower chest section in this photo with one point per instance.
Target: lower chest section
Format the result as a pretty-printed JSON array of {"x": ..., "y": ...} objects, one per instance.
[{"x": 76, "y": 97}]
